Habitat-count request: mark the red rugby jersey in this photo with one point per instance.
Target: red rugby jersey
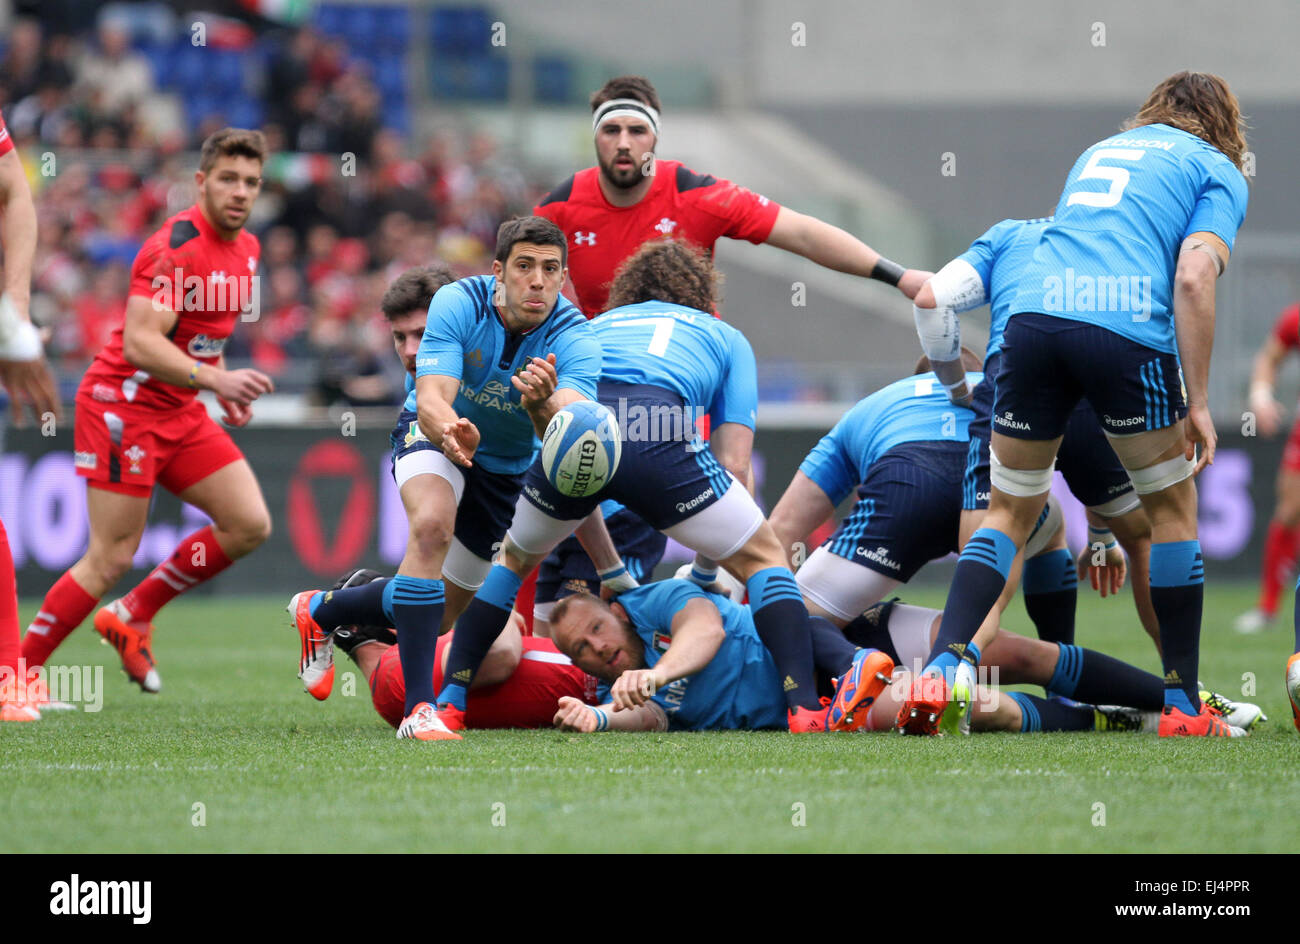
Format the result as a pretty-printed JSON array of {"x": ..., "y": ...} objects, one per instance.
[
  {"x": 187, "y": 267},
  {"x": 6, "y": 141},
  {"x": 681, "y": 204}
]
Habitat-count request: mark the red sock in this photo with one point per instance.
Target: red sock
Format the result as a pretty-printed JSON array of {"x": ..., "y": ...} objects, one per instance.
[
  {"x": 62, "y": 611},
  {"x": 1279, "y": 559},
  {"x": 10, "y": 646},
  {"x": 197, "y": 558}
]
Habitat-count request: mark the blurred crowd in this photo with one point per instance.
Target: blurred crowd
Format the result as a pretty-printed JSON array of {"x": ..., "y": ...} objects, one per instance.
[{"x": 350, "y": 198}]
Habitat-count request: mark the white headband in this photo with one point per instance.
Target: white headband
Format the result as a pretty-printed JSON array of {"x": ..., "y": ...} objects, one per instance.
[{"x": 625, "y": 108}]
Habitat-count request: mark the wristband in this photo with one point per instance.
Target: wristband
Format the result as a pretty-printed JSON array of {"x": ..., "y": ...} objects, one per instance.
[
  {"x": 23, "y": 343},
  {"x": 617, "y": 579},
  {"x": 193, "y": 382},
  {"x": 887, "y": 271},
  {"x": 1261, "y": 391},
  {"x": 1103, "y": 536},
  {"x": 703, "y": 577},
  {"x": 602, "y": 719}
]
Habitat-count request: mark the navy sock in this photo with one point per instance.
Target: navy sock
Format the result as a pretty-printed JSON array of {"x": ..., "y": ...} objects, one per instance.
[
  {"x": 1050, "y": 585},
  {"x": 1099, "y": 679},
  {"x": 365, "y": 605},
  {"x": 476, "y": 630},
  {"x": 1177, "y": 592},
  {"x": 783, "y": 624},
  {"x": 416, "y": 604},
  {"x": 981, "y": 575},
  {"x": 832, "y": 652},
  {"x": 1041, "y": 714}
]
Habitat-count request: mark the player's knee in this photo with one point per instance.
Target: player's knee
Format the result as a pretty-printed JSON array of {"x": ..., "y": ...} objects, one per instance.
[
  {"x": 257, "y": 530},
  {"x": 430, "y": 535},
  {"x": 112, "y": 562}
]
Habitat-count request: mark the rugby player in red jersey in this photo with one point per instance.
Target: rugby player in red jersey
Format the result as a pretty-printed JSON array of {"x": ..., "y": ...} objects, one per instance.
[
  {"x": 632, "y": 196},
  {"x": 519, "y": 685},
  {"x": 139, "y": 422},
  {"x": 25, "y": 376},
  {"x": 1284, "y": 529}
]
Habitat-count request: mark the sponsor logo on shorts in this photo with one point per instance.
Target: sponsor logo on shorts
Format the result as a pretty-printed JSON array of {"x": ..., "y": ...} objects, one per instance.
[
  {"x": 532, "y": 492},
  {"x": 1009, "y": 421},
  {"x": 1124, "y": 422},
  {"x": 696, "y": 501},
  {"x": 103, "y": 393},
  {"x": 134, "y": 455},
  {"x": 85, "y": 460},
  {"x": 203, "y": 346},
  {"x": 983, "y": 496},
  {"x": 880, "y": 555}
]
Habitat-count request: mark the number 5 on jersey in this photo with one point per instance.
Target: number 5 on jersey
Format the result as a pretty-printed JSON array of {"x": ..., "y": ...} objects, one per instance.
[{"x": 1095, "y": 170}]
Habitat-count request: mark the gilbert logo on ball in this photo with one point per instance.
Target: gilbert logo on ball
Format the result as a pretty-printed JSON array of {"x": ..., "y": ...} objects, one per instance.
[{"x": 581, "y": 449}]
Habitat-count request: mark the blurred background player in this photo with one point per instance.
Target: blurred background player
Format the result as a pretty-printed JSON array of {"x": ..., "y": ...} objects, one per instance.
[
  {"x": 26, "y": 379},
  {"x": 1284, "y": 529},
  {"x": 500, "y": 355},
  {"x": 1158, "y": 206},
  {"x": 139, "y": 420},
  {"x": 633, "y": 196}
]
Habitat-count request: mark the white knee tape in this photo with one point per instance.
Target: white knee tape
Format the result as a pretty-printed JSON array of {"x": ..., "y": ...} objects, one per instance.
[
  {"x": 1158, "y": 477},
  {"x": 1118, "y": 506},
  {"x": 1044, "y": 533},
  {"x": 1022, "y": 483}
]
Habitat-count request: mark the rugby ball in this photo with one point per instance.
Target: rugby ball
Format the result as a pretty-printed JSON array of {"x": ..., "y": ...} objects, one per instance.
[{"x": 581, "y": 449}]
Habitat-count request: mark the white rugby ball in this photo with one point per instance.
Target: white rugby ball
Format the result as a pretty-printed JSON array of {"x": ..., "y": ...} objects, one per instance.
[{"x": 581, "y": 449}]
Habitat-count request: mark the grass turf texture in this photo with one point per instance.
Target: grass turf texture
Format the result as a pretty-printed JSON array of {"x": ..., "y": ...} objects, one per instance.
[{"x": 278, "y": 772}]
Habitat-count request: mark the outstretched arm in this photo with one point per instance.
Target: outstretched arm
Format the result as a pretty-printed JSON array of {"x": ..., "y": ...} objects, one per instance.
[{"x": 833, "y": 248}]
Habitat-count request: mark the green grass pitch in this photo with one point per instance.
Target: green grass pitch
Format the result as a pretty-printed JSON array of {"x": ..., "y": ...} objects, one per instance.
[{"x": 234, "y": 756}]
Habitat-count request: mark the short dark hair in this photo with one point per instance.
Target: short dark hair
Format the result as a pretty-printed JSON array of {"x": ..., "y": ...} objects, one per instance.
[
  {"x": 969, "y": 360},
  {"x": 666, "y": 270},
  {"x": 414, "y": 289},
  {"x": 232, "y": 142},
  {"x": 530, "y": 229},
  {"x": 563, "y": 604},
  {"x": 627, "y": 86}
]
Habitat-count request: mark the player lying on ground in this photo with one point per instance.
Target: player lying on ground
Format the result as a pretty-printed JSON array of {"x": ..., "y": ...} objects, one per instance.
[
  {"x": 500, "y": 354},
  {"x": 1284, "y": 529},
  {"x": 1068, "y": 673},
  {"x": 1154, "y": 209},
  {"x": 139, "y": 420},
  {"x": 674, "y": 657},
  {"x": 988, "y": 272},
  {"x": 27, "y": 381},
  {"x": 519, "y": 684},
  {"x": 666, "y": 361}
]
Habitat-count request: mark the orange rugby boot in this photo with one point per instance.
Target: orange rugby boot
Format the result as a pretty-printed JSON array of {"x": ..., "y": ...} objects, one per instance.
[{"x": 133, "y": 641}]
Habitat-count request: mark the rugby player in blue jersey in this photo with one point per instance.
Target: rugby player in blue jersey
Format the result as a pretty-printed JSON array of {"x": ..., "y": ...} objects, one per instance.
[
  {"x": 988, "y": 272},
  {"x": 499, "y": 355},
  {"x": 1119, "y": 290},
  {"x": 674, "y": 657},
  {"x": 667, "y": 361}
]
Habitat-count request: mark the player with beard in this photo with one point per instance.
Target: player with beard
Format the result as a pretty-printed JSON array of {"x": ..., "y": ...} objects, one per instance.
[{"x": 139, "y": 420}]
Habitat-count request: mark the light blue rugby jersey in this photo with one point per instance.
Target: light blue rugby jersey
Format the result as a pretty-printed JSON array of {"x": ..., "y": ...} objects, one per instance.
[
  {"x": 464, "y": 338},
  {"x": 701, "y": 357},
  {"x": 915, "y": 409},
  {"x": 1109, "y": 256},
  {"x": 999, "y": 256},
  {"x": 740, "y": 688}
]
